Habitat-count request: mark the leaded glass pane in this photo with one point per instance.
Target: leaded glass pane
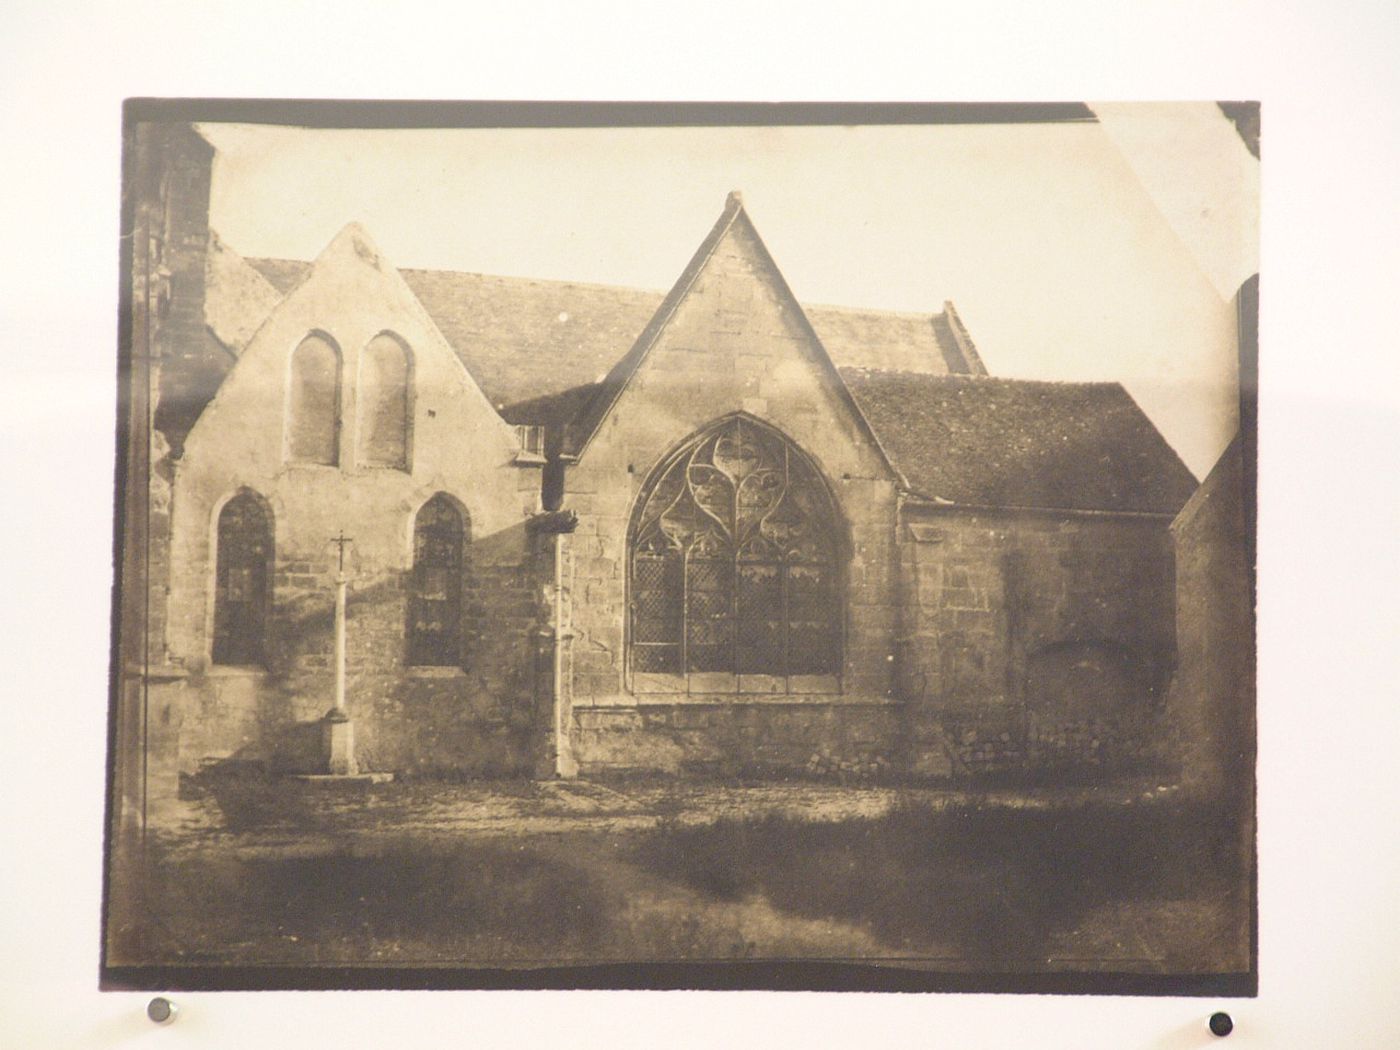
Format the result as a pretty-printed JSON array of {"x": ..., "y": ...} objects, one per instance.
[
  {"x": 709, "y": 616},
  {"x": 243, "y": 570},
  {"x": 760, "y": 614},
  {"x": 656, "y": 659},
  {"x": 657, "y": 598},
  {"x": 435, "y": 606},
  {"x": 239, "y": 587},
  {"x": 753, "y": 525},
  {"x": 811, "y": 648}
]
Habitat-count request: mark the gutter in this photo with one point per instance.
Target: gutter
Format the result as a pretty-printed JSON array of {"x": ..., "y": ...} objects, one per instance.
[{"x": 924, "y": 504}]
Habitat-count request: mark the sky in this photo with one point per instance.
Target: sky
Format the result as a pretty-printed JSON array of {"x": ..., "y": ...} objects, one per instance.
[{"x": 1072, "y": 251}]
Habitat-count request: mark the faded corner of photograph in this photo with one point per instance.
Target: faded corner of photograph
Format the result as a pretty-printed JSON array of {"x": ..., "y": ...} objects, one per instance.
[{"x": 579, "y": 545}]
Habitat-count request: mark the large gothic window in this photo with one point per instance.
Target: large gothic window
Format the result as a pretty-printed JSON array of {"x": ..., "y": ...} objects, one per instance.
[
  {"x": 385, "y": 371},
  {"x": 313, "y": 402},
  {"x": 734, "y": 564},
  {"x": 435, "y": 604},
  {"x": 242, "y": 581}
]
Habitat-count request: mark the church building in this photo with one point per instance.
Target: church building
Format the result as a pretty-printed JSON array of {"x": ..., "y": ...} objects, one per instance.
[{"x": 587, "y": 530}]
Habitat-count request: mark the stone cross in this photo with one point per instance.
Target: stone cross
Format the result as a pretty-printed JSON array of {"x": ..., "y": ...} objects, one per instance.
[
  {"x": 339, "y": 737},
  {"x": 341, "y": 542}
]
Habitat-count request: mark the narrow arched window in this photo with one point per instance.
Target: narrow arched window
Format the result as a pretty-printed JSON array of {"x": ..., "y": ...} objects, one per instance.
[
  {"x": 313, "y": 402},
  {"x": 385, "y": 381},
  {"x": 435, "y": 604},
  {"x": 242, "y": 581},
  {"x": 735, "y": 565}
]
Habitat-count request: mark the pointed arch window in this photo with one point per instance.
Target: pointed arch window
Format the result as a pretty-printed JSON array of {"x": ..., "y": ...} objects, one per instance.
[
  {"x": 439, "y": 574},
  {"x": 734, "y": 567},
  {"x": 313, "y": 402},
  {"x": 386, "y": 369},
  {"x": 242, "y": 581}
]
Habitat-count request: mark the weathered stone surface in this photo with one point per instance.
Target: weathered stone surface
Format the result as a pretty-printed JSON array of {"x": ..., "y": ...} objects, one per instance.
[
  {"x": 477, "y": 717},
  {"x": 1212, "y": 698},
  {"x": 987, "y": 595},
  {"x": 734, "y": 344},
  {"x": 971, "y": 641}
]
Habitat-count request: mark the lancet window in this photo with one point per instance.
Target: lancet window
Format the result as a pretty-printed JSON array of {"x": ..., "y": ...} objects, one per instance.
[
  {"x": 435, "y": 604},
  {"x": 313, "y": 403},
  {"x": 242, "y": 581},
  {"x": 384, "y": 396}
]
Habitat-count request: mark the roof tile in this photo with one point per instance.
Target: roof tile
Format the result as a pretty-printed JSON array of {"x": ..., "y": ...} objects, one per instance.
[
  {"x": 541, "y": 350},
  {"x": 526, "y": 341},
  {"x": 1022, "y": 443}
]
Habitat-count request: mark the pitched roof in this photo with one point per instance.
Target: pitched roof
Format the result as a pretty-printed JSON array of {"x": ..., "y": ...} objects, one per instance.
[
  {"x": 733, "y": 221},
  {"x": 1225, "y": 482},
  {"x": 237, "y": 298},
  {"x": 1020, "y": 443},
  {"x": 532, "y": 345},
  {"x": 551, "y": 352}
]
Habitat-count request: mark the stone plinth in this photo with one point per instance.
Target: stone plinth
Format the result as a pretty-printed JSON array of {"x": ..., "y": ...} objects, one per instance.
[{"x": 338, "y": 743}]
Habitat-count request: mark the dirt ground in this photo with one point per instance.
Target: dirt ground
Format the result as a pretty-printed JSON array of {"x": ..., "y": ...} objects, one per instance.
[
  {"x": 251, "y": 816},
  {"x": 1118, "y": 877}
]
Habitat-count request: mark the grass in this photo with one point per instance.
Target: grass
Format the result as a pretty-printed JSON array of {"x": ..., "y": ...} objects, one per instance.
[
  {"x": 473, "y": 902},
  {"x": 998, "y": 889},
  {"x": 993, "y": 886}
]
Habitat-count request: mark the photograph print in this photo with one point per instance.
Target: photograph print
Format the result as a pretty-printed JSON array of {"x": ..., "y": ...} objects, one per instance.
[{"x": 685, "y": 546}]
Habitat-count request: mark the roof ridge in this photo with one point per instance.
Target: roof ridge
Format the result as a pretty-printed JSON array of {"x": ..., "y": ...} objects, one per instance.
[
  {"x": 880, "y": 311},
  {"x": 610, "y": 387},
  {"x": 520, "y": 279},
  {"x": 979, "y": 377},
  {"x": 853, "y": 308},
  {"x": 503, "y": 277},
  {"x": 581, "y": 432}
]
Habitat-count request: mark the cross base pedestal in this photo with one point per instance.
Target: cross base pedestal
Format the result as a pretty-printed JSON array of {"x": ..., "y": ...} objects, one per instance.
[{"x": 338, "y": 744}]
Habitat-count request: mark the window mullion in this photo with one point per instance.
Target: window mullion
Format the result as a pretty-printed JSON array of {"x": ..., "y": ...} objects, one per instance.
[
  {"x": 786, "y": 625},
  {"x": 783, "y": 582},
  {"x": 769, "y": 592},
  {"x": 734, "y": 598},
  {"x": 685, "y": 611}
]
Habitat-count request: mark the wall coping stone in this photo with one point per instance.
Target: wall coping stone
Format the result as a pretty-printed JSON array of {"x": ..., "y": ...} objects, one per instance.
[{"x": 654, "y": 700}]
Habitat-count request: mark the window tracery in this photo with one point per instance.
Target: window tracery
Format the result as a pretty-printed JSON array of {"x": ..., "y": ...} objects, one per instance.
[{"x": 734, "y": 561}]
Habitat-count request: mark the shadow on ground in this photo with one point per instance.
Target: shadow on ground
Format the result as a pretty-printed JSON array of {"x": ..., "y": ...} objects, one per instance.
[
  {"x": 999, "y": 888},
  {"x": 282, "y": 876},
  {"x": 411, "y": 903}
]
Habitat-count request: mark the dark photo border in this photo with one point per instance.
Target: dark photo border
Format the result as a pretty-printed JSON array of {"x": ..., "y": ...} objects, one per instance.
[{"x": 853, "y": 976}]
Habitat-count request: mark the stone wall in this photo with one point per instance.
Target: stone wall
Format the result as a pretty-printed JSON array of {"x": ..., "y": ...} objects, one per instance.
[
  {"x": 173, "y": 360},
  {"x": 166, "y": 181},
  {"x": 1212, "y": 698},
  {"x": 738, "y": 736},
  {"x": 971, "y": 641},
  {"x": 477, "y": 718},
  {"x": 164, "y": 360},
  {"x": 1034, "y": 640},
  {"x": 734, "y": 344}
]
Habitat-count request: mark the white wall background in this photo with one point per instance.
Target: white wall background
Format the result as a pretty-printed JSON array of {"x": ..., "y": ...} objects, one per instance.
[{"x": 1329, "y": 702}]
